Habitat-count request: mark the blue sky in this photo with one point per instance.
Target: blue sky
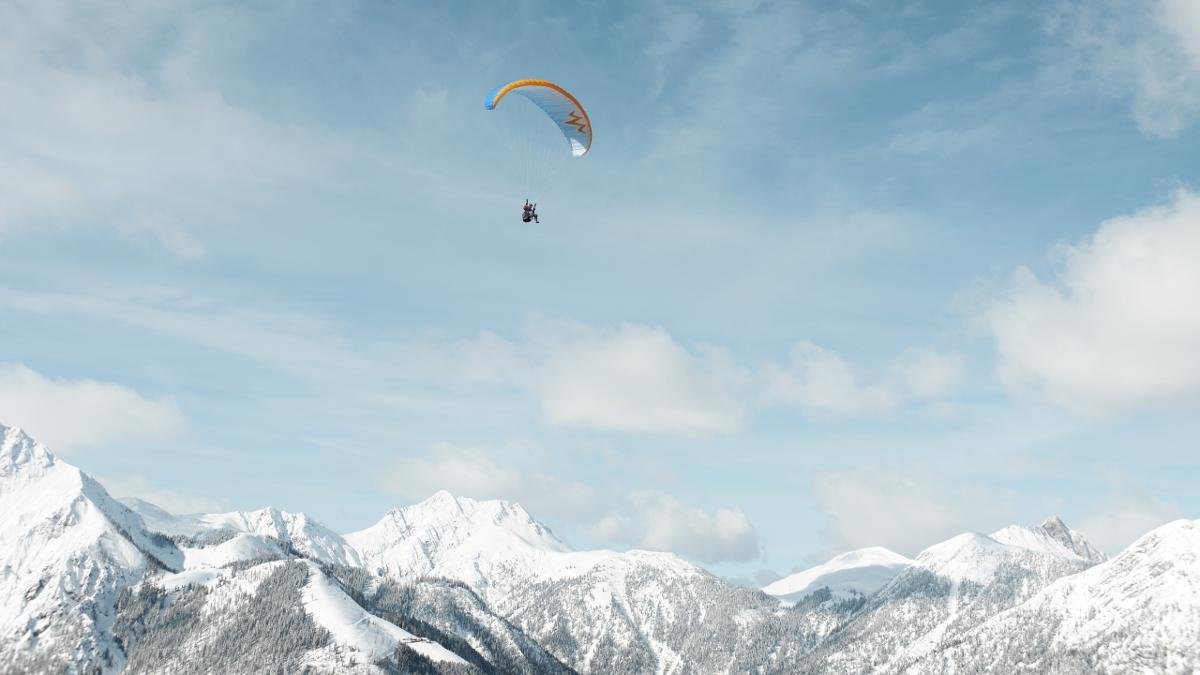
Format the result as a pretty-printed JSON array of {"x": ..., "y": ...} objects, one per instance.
[{"x": 834, "y": 274}]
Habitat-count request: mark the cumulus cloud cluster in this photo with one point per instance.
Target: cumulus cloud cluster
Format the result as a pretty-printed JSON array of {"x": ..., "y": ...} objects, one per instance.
[
  {"x": 629, "y": 378},
  {"x": 1117, "y": 327},
  {"x": 657, "y": 521},
  {"x": 640, "y": 379},
  {"x": 74, "y": 414},
  {"x": 821, "y": 380}
]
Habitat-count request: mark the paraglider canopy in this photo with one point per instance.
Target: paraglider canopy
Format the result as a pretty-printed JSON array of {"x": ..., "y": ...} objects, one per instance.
[{"x": 557, "y": 103}]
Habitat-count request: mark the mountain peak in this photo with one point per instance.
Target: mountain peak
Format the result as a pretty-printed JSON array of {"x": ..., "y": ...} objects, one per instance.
[
  {"x": 1053, "y": 522},
  {"x": 430, "y": 534},
  {"x": 445, "y": 511},
  {"x": 1072, "y": 540},
  {"x": 862, "y": 571},
  {"x": 22, "y": 458},
  {"x": 19, "y": 452}
]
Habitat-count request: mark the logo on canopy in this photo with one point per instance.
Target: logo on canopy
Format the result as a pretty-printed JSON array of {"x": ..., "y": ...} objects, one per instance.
[{"x": 576, "y": 120}]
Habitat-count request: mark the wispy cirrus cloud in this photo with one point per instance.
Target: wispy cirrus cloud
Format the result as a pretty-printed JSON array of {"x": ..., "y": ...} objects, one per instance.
[
  {"x": 119, "y": 119},
  {"x": 1144, "y": 51}
]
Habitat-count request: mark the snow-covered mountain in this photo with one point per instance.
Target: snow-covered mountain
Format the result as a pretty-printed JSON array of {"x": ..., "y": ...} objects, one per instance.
[
  {"x": 67, "y": 550},
  {"x": 306, "y": 535},
  {"x": 90, "y": 584},
  {"x": 597, "y": 611},
  {"x": 860, "y": 572},
  {"x": 1139, "y": 612},
  {"x": 1057, "y": 530},
  {"x": 488, "y": 545},
  {"x": 87, "y": 586},
  {"x": 950, "y": 588}
]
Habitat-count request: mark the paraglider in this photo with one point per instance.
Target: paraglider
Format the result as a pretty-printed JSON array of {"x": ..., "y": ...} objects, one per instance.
[
  {"x": 560, "y": 106},
  {"x": 529, "y": 213}
]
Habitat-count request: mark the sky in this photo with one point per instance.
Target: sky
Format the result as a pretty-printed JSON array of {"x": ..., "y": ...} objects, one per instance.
[{"x": 834, "y": 274}]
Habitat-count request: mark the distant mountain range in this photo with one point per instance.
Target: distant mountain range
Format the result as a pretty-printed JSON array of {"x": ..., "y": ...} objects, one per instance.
[{"x": 92, "y": 584}]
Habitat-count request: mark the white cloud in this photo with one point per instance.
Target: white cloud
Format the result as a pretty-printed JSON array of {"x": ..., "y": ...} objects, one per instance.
[
  {"x": 137, "y": 485},
  {"x": 821, "y": 380},
  {"x": 1145, "y": 50},
  {"x": 1118, "y": 327},
  {"x": 905, "y": 512},
  {"x": 638, "y": 379},
  {"x": 927, "y": 374},
  {"x": 508, "y": 473},
  {"x": 657, "y": 521},
  {"x": 71, "y": 414},
  {"x": 646, "y": 519},
  {"x": 631, "y": 378},
  {"x": 1127, "y": 512},
  {"x": 909, "y": 510},
  {"x": 1181, "y": 18}
]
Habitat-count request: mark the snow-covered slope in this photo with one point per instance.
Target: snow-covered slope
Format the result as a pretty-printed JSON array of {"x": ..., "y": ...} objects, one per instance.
[
  {"x": 66, "y": 551},
  {"x": 481, "y": 543},
  {"x": 492, "y": 546},
  {"x": 357, "y": 629},
  {"x": 87, "y": 585},
  {"x": 860, "y": 572},
  {"x": 1139, "y": 612},
  {"x": 308, "y": 536},
  {"x": 598, "y": 611},
  {"x": 1052, "y": 537},
  {"x": 450, "y": 614},
  {"x": 241, "y": 548},
  {"x": 950, "y": 588}
]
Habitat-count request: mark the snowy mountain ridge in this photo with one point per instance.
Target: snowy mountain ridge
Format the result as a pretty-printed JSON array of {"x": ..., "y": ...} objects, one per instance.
[
  {"x": 1136, "y": 612},
  {"x": 87, "y": 586},
  {"x": 492, "y": 546},
  {"x": 452, "y": 584},
  {"x": 859, "y": 572},
  {"x": 66, "y": 551},
  {"x": 308, "y": 536}
]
